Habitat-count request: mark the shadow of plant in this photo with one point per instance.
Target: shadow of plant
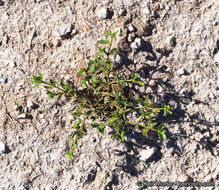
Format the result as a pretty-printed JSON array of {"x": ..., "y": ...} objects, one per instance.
[{"x": 169, "y": 96}]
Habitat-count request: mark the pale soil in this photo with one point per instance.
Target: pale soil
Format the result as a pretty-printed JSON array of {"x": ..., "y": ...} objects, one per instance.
[{"x": 184, "y": 75}]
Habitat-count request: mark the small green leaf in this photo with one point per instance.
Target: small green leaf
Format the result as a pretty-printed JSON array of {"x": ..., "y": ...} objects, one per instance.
[
  {"x": 139, "y": 82},
  {"x": 69, "y": 156},
  {"x": 103, "y": 41},
  {"x": 101, "y": 62},
  {"x": 51, "y": 94},
  {"x": 83, "y": 81},
  {"x": 91, "y": 62},
  {"x": 101, "y": 53},
  {"x": 77, "y": 112},
  {"x": 47, "y": 87},
  {"x": 91, "y": 69},
  {"x": 80, "y": 71},
  {"x": 113, "y": 51}
]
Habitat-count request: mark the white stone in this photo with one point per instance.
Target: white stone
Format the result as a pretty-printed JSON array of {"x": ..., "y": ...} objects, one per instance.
[
  {"x": 3, "y": 79},
  {"x": 147, "y": 153},
  {"x": 118, "y": 59},
  {"x": 2, "y": 147},
  {"x": 69, "y": 9},
  {"x": 103, "y": 13},
  {"x": 183, "y": 178},
  {"x": 30, "y": 104},
  {"x": 146, "y": 11},
  {"x": 64, "y": 30},
  {"x": 181, "y": 71},
  {"x": 216, "y": 57},
  {"x": 122, "y": 12},
  {"x": 207, "y": 134},
  {"x": 131, "y": 28},
  {"x": 136, "y": 44},
  {"x": 131, "y": 37},
  {"x": 12, "y": 64}
]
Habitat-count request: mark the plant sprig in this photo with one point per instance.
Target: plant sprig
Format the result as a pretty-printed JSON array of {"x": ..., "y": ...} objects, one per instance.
[{"x": 103, "y": 100}]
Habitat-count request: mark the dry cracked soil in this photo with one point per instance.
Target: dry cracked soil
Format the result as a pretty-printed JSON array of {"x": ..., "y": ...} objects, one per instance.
[{"x": 177, "y": 57}]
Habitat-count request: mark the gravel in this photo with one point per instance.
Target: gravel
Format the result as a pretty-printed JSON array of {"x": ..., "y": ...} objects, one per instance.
[
  {"x": 216, "y": 57},
  {"x": 3, "y": 79},
  {"x": 2, "y": 147},
  {"x": 147, "y": 153},
  {"x": 39, "y": 137},
  {"x": 137, "y": 44},
  {"x": 103, "y": 13}
]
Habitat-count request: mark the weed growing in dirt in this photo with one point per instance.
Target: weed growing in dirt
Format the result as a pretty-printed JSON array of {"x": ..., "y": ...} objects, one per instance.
[{"x": 105, "y": 99}]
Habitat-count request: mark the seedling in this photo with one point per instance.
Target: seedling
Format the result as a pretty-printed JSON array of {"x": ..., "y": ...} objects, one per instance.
[{"x": 104, "y": 99}]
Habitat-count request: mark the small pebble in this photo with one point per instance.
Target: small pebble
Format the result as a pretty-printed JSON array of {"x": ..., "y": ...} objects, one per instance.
[
  {"x": 147, "y": 153},
  {"x": 156, "y": 6},
  {"x": 183, "y": 178},
  {"x": 146, "y": 11},
  {"x": 74, "y": 31},
  {"x": 122, "y": 12},
  {"x": 131, "y": 37},
  {"x": 118, "y": 59},
  {"x": 137, "y": 44},
  {"x": 64, "y": 30},
  {"x": 30, "y": 104},
  {"x": 69, "y": 9},
  {"x": 21, "y": 116},
  {"x": 2, "y": 147},
  {"x": 215, "y": 22},
  {"x": 131, "y": 28},
  {"x": 12, "y": 64},
  {"x": 103, "y": 13},
  {"x": 216, "y": 57},
  {"x": 3, "y": 80},
  {"x": 181, "y": 71},
  {"x": 170, "y": 41}
]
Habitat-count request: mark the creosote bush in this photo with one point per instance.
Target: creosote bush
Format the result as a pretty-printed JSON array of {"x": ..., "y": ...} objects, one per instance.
[{"x": 105, "y": 99}]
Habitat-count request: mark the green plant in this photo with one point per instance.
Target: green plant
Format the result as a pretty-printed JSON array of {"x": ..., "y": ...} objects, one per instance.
[{"x": 104, "y": 99}]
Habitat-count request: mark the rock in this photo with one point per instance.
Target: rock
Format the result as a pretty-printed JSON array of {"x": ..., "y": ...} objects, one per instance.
[
  {"x": 183, "y": 178},
  {"x": 118, "y": 59},
  {"x": 216, "y": 57},
  {"x": 194, "y": 1},
  {"x": 64, "y": 30},
  {"x": 156, "y": 6},
  {"x": 74, "y": 31},
  {"x": 2, "y": 147},
  {"x": 3, "y": 80},
  {"x": 30, "y": 104},
  {"x": 131, "y": 28},
  {"x": 131, "y": 37},
  {"x": 181, "y": 71},
  {"x": 146, "y": 11},
  {"x": 12, "y": 64},
  {"x": 122, "y": 12},
  {"x": 215, "y": 22},
  {"x": 21, "y": 116},
  {"x": 69, "y": 9},
  {"x": 198, "y": 136},
  {"x": 103, "y": 13},
  {"x": 147, "y": 153},
  {"x": 137, "y": 44},
  {"x": 170, "y": 41}
]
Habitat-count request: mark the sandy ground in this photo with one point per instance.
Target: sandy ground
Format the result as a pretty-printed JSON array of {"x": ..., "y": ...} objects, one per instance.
[{"x": 179, "y": 62}]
